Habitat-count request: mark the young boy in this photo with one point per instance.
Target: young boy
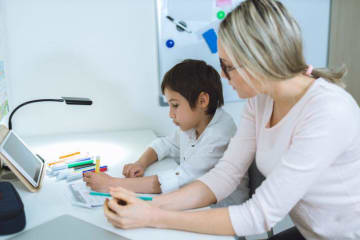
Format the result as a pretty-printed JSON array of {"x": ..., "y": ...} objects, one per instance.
[{"x": 194, "y": 92}]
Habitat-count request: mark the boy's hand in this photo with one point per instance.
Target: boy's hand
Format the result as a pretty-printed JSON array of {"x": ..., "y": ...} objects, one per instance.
[
  {"x": 132, "y": 170},
  {"x": 99, "y": 182}
]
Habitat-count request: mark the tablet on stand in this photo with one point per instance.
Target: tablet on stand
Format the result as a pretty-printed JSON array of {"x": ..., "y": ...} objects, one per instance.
[{"x": 28, "y": 167}]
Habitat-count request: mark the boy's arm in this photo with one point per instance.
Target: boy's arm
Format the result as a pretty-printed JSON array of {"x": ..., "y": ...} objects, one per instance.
[
  {"x": 138, "y": 168},
  {"x": 168, "y": 146},
  {"x": 147, "y": 158},
  {"x": 157, "y": 150},
  {"x": 202, "y": 160}
]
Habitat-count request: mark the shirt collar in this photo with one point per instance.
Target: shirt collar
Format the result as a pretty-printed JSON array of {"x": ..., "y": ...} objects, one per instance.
[
  {"x": 192, "y": 134},
  {"x": 216, "y": 117}
]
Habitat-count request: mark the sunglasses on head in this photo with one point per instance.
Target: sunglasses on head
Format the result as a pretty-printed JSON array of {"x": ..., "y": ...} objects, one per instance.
[{"x": 226, "y": 68}]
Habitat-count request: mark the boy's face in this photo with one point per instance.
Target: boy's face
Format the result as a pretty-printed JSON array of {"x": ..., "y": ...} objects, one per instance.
[{"x": 181, "y": 112}]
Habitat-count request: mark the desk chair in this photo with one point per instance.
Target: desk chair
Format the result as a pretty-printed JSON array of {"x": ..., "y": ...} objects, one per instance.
[{"x": 255, "y": 180}]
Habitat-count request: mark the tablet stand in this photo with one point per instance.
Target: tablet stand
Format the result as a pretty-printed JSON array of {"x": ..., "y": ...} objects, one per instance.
[{"x": 4, "y": 131}]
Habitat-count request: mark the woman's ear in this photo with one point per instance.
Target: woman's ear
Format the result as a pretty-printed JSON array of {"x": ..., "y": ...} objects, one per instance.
[{"x": 203, "y": 100}]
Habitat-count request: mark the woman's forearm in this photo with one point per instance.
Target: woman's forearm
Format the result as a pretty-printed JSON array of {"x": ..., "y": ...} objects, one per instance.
[
  {"x": 193, "y": 195},
  {"x": 213, "y": 221}
]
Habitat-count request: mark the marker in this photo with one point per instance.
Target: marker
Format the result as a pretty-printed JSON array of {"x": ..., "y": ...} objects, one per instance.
[
  {"x": 97, "y": 164},
  {"x": 69, "y": 161},
  {"x": 59, "y": 167},
  {"x": 78, "y": 160},
  {"x": 79, "y": 163},
  {"x": 56, "y": 162},
  {"x": 101, "y": 169},
  {"x": 71, "y": 175},
  {"x": 86, "y": 168},
  {"x": 74, "y": 176},
  {"x": 64, "y": 174},
  {"x": 83, "y": 166},
  {"x": 109, "y": 195},
  {"x": 69, "y": 155},
  {"x": 60, "y": 175},
  {"x": 65, "y": 166},
  {"x": 179, "y": 25}
]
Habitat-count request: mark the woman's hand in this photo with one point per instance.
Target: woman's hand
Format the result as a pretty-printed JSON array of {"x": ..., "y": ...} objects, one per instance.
[
  {"x": 99, "y": 182},
  {"x": 132, "y": 170},
  {"x": 126, "y": 211}
]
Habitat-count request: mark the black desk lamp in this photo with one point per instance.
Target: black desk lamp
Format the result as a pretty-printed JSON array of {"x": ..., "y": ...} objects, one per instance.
[{"x": 68, "y": 100}]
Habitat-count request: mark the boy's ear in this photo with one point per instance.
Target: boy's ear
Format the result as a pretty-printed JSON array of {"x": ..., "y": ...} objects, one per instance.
[{"x": 203, "y": 100}]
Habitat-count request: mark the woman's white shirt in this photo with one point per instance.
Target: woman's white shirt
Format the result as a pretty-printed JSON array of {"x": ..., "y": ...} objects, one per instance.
[
  {"x": 195, "y": 157},
  {"x": 311, "y": 161}
]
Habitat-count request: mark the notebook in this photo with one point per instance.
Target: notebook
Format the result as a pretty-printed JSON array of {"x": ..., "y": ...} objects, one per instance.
[{"x": 69, "y": 228}]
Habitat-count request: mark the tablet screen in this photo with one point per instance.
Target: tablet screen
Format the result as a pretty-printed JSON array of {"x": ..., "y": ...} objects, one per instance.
[{"x": 22, "y": 158}]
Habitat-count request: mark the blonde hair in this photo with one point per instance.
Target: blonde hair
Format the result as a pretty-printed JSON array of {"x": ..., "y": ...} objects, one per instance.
[{"x": 263, "y": 38}]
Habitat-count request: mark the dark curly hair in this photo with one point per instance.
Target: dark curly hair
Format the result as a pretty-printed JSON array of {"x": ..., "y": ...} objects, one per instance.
[{"x": 190, "y": 78}]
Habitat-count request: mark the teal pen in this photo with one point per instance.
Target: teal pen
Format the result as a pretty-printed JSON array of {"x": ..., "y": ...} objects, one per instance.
[
  {"x": 145, "y": 198},
  {"x": 108, "y": 195},
  {"x": 100, "y": 194}
]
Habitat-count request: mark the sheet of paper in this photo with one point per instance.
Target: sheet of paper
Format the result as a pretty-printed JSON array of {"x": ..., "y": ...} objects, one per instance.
[
  {"x": 222, "y": 3},
  {"x": 82, "y": 197}
]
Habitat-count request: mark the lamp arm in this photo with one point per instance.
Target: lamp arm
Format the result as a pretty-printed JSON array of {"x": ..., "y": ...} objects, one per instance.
[{"x": 28, "y": 102}]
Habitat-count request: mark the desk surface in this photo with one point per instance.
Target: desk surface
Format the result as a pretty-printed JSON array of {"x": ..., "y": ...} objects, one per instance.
[{"x": 54, "y": 199}]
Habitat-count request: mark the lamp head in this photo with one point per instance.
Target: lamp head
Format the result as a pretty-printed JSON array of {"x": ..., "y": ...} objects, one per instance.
[{"x": 77, "y": 101}]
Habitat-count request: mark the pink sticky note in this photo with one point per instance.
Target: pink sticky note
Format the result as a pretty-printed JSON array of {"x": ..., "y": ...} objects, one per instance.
[{"x": 221, "y": 3}]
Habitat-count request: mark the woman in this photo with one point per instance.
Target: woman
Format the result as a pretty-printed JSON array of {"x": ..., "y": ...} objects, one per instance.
[{"x": 302, "y": 126}]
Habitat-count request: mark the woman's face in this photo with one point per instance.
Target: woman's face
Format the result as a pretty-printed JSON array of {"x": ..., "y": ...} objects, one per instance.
[{"x": 235, "y": 79}]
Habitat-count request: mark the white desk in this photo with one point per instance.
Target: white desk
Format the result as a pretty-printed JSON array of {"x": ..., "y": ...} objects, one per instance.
[{"x": 115, "y": 149}]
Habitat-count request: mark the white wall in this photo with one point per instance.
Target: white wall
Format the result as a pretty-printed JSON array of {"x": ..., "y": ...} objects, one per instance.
[{"x": 102, "y": 49}]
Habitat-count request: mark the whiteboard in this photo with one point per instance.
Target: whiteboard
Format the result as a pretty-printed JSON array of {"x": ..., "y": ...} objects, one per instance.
[{"x": 193, "y": 31}]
